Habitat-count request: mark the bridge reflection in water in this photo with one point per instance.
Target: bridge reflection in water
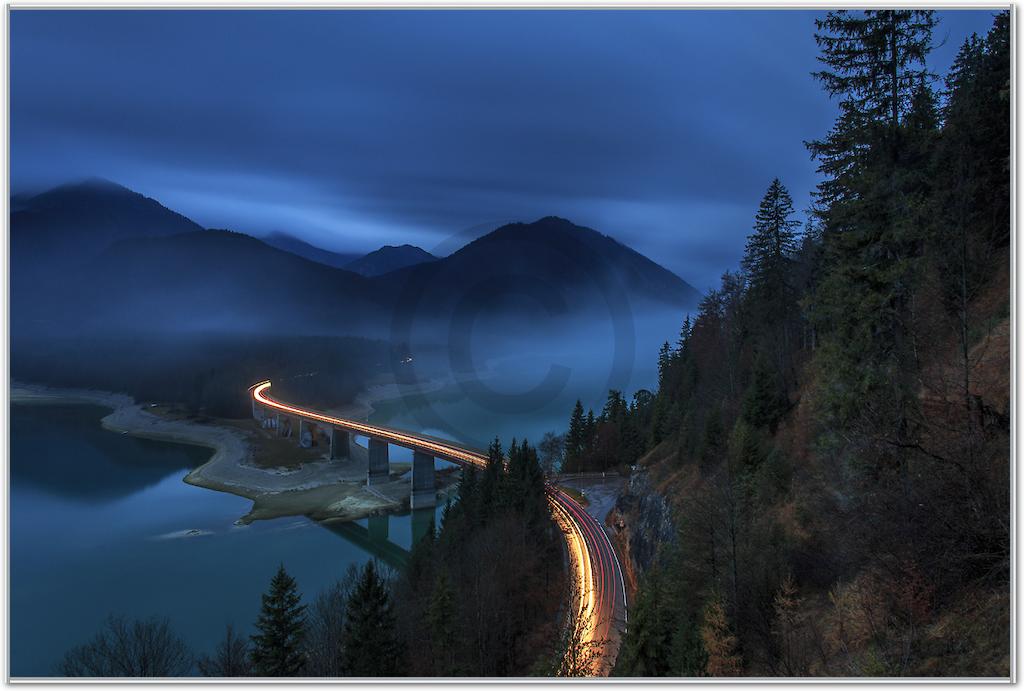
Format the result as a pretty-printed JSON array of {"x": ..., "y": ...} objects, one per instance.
[{"x": 375, "y": 537}]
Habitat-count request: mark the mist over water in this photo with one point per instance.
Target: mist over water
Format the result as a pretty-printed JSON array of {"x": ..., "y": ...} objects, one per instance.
[
  {"x": 521, "y": 378},
  {"x": 501, "y": 343}
]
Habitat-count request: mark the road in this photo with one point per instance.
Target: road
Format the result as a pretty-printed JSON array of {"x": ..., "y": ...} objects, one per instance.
[
  {"x": 601, "y": 493},
  {"x": 598, "y": 592}
]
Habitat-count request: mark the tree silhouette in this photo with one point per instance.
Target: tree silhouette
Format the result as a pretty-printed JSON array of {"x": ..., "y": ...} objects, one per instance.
[
  {"x": 138, "y": 648},
  {"x": 369, "y": 640},
  {"x": 278, "y": 647}
]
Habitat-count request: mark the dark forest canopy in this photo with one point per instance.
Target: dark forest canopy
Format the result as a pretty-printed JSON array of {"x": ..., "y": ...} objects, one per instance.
[{"x": 832, "y": 427}]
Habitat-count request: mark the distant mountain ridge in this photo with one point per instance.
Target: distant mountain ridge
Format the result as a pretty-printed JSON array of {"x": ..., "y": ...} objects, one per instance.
[
  {"x": 83, "y": 218},
  {"x": 206, "y": 281},
  {"x": 95, "y": 257},
  {"x": 578, "y": 266},
  {"x": 389, "y": 258},
  {"x": 290, "y": 243}
]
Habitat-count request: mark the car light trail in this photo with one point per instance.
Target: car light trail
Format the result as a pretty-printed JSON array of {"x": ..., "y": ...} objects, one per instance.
[{"x": 590, "y": 551}]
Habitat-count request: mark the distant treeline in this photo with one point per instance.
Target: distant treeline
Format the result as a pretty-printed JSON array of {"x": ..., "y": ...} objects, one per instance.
[
  {"x": 209, "y": 375},
  {"x": 479, "y": 598},
  {"x": 832, "y": 427}
]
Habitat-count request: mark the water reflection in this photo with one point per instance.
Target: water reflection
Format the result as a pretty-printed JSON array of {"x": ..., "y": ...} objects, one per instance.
[
  {"x": 127, "y": 536},
  {"x": 62, "y": 449},
  {"x": 373, "y": 534}
]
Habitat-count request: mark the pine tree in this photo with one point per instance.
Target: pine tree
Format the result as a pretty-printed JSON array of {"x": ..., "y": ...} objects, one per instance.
[
  {"x": 277, "y": 647},
  {"x": 689, "y": 659},
  {"x": 972, "y": 199},
  {"x": 712, "y": 446},
  {"x": 442, "y": 618},
  {"x": 664, "y": 360},
  {"x": 370, "y": 640},
  {"x": 874, "y": 60},
  {"x": 684, "y": 336},
  {"x": 767, "y": 258},
  {"x": 575, "y": 440},
  {"x": 647, "y": 646},
  {"x": 490, "y": 483},
  {"x": 469, "y": 494},
  {"x": 512, "y": 485},
  {"x": 764, "y": 404},
  {"x": 876, "y": 63}
]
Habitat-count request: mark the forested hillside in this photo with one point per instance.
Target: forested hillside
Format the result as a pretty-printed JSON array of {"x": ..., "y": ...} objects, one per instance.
[{"x": 831, "y": 431}]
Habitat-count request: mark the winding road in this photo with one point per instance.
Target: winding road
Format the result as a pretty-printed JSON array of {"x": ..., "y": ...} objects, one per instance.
[{"x": 598, "y": 592}]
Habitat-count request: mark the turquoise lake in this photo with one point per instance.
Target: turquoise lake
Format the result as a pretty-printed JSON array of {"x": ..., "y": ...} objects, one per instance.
[{"x": 99, "y": 525}]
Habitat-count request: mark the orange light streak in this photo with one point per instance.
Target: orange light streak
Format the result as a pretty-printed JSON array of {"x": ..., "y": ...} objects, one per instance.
[{"x": 574, "y": 521}]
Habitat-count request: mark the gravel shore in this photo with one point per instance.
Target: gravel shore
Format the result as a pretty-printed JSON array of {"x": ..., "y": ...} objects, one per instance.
[{"x": 320, "y": 489}]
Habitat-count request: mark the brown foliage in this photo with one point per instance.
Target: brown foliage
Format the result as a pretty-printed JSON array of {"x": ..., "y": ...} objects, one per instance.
[{"x": 719, "y": 642}]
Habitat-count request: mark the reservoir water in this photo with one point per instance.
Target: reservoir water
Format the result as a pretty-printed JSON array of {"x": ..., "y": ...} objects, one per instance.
[{"x": 101, "y": 523}]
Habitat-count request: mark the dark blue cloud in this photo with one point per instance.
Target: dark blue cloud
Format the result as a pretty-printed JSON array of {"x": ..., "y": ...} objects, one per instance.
[{"x": 355, "y": 128}]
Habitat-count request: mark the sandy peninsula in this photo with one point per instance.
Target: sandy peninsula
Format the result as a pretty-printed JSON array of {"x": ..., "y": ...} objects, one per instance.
[{"x": 305, "y": 483}]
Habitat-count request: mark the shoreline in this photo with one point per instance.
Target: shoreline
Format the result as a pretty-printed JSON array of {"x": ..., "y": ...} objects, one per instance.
[{"x": 320, "y": 489}]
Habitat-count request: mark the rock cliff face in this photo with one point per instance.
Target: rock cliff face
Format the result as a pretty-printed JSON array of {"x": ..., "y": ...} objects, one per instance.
[{"x": 643, "y": 523}]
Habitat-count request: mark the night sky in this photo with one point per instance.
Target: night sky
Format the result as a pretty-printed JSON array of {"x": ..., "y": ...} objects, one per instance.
[{"x": 352, "y": 129}]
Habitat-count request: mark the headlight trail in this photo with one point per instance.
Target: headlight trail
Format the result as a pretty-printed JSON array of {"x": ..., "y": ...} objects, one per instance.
[{"x": 593, "y": 561}]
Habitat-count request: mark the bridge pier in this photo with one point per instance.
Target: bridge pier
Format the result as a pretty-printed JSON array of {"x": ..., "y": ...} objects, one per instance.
[
  {"x": 377, "y": 471},
  {"x": 424, "y": 493},
  {"x": 340, "y": 440},
  {"x": 305, "y": 434}
]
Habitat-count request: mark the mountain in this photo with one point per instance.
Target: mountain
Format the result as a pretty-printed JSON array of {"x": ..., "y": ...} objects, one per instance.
[
  {"x": 81, "y": 219},
  {"x": 290, "y": 243},
  {"x": 389, "y": 258},
  {"x": 95, "y": 258},
  {"x": 210, "y": 280},
  {"x": 552, "y": 261}
]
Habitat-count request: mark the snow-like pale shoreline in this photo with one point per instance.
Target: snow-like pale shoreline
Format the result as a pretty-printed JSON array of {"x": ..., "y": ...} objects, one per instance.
[{"x": 319, "y": 489}]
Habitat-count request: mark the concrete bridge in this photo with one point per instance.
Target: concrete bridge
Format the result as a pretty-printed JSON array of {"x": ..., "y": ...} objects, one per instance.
[
  {"x": 598, "y": 595},
  {"x": 303, "y": 425}
]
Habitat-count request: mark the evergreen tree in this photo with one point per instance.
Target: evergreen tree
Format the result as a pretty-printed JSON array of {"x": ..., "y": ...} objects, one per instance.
[
  {"x": 874, "y": 59},
  {"x": 490, "y": 483},
  {"x": 277, "y": 647},
  {"x": 575, "y": 440},
  {"x": 875, "y": 62},
  {"x": 442, "y": 618},
  {"x": 764, "y": 403},
  {"x": 768, "y": 263},
  {"x": 589, "y": 430},
  {"x": 469, "y": 494},
  {"x": 516, "y": 474},
  {"x": 647, "y": 646},
  {"x": 745, "y": 451},
  {"x": 767, "y": 258},
  {"x": 684, "y": 336},
  {"x": 689, "y": 659},
  {"x": 712, "y": 446},
  {"x": 972, "y": 200},
  {"x": 664, "y": 360},
  {"x": 370, "y": 640},
  {"x": 614, "y": 408}
]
